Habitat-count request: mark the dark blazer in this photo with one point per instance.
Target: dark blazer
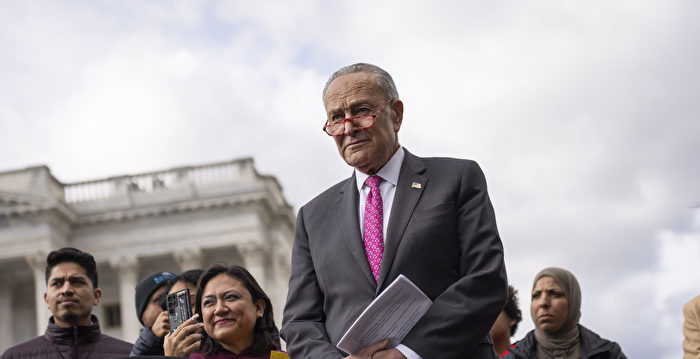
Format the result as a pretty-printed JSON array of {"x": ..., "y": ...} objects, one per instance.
[{"x": 441, "y": 234}]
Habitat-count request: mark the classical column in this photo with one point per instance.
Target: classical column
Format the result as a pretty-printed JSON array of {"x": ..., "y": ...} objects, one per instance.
[
  {"x": 6, "y": 333},
  {"x": 127, "y": 272},
  {"x": 254, "y": 261},
  {"x": 188, "y": 258},
  {"x": 37, "y": 262}
]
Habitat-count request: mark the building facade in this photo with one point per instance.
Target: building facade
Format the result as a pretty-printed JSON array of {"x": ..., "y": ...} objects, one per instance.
[{"x": 172, "y": 220}]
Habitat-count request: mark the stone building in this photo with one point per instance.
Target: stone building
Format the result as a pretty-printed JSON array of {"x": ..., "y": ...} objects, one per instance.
[{"x": 174, "y": 220}]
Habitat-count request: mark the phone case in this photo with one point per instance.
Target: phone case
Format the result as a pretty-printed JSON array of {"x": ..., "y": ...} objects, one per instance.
[{"x": 179, "y": 308}]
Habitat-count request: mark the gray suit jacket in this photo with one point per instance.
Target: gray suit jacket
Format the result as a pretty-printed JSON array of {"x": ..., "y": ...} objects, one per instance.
[{"x": 441, "y": 234}]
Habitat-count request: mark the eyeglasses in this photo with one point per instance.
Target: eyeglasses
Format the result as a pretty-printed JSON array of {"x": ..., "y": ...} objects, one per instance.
[{"x": 337, "y": 127}]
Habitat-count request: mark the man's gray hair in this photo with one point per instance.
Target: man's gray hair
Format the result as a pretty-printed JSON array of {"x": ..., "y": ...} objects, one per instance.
[{"x": 384, "y": 80}]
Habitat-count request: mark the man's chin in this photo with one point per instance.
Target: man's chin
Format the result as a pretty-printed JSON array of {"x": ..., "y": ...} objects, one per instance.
[
  {"x": 69, "y": 317},
  {"x": 356, "y": 159}
]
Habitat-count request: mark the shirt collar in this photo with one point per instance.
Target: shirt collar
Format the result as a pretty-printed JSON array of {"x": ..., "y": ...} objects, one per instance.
[{"x": 389, "y": 172}]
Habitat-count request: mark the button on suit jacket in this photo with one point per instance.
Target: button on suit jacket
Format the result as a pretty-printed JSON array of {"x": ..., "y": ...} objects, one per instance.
[{"x": 441, "y": 234}]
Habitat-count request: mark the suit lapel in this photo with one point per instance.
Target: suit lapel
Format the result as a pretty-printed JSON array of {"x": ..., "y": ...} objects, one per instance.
[
  {"x": 347, "y": 203},
  {"x": 409, "y": 189}
]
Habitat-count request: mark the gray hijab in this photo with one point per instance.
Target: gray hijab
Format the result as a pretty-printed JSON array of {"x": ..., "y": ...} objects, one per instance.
[{"x": 568, "y": 335}]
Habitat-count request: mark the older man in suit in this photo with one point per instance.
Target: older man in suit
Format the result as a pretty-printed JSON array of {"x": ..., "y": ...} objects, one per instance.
[{"x": 429, "y": 219}]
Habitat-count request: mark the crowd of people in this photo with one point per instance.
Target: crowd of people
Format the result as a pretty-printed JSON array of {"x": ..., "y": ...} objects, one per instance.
[
  {"x": 398, "y": 214},
  {"x": 232, "y": 315}
]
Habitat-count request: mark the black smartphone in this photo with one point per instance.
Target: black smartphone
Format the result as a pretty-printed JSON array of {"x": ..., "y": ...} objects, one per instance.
[{"x": 179, "y": 308}]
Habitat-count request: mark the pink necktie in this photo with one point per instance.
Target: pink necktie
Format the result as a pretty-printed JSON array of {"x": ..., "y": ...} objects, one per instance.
[{"x": 372, "y": 225}]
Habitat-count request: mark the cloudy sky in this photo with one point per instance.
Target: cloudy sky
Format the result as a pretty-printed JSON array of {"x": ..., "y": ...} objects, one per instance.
[{"x": 583, "y": 115}]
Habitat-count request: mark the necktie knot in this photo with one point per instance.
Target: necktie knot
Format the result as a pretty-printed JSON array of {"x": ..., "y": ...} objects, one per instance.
[{"x": 373, "y": 181}]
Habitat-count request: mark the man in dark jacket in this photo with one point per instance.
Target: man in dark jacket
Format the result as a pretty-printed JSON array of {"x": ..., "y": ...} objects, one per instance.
[{"x": 73, "y": 332}]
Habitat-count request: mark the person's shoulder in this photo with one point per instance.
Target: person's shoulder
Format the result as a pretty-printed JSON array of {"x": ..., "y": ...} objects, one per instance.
[
  {"x": 523, "y": 348},
  {"x": 692, "y": 305},
  {"x": 330, "y": 193},
  {"x": 449, "y": 161},
  {"x": 442, "y": 163},
  {"x": 114, "y": 344},
  {"x": 590, "y": 336},
  {"x": 33, "y": 348},
  {"x": 449, "y": 170},
  {"x": 593, "y": 343}
]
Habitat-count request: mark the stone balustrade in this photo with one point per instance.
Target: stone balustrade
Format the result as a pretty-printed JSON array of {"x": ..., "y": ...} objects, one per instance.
[{"x": 235, "y": 171}]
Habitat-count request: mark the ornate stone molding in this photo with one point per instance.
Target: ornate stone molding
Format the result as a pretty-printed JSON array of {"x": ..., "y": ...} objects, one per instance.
[
  {"x": 188, "y": 258},
  {"x": 252, "y": 252},
  {"x": 254, "y": 261},
  {"x": 36, "y": 261},
  {"x": 125, "y": 266}
]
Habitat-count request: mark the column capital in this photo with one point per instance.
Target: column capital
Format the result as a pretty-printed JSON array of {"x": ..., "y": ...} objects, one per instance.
[
  {"x": 188, "y": 258},
  {"x": 250, "y": 248},
  {"x": 125, "y": 265},
  {"x": 254, "y": 261},
  {"x": 36, "y": 260}
]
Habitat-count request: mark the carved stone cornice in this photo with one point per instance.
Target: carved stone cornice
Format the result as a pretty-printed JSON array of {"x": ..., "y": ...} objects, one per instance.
[
  {"x": 23, "y": 206},
  {"x": 174, "y": 208}
]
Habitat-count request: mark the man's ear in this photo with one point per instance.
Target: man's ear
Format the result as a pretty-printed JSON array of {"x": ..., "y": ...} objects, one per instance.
[
  {"x": 46, "y": 299},
  {"x": 97, "y": 293},
  {"x": 397, "y": 110}
]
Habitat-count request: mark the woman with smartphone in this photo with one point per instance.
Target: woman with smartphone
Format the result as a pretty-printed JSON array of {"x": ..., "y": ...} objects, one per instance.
[{"x": 236, "y": 316}]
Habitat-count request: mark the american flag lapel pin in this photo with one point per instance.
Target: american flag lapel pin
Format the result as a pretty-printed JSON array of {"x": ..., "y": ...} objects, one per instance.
[{"x": 416, "y": 185}]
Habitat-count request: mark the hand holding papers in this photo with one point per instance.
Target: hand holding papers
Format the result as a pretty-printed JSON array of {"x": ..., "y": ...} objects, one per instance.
[{"x": 390, "y": 316}]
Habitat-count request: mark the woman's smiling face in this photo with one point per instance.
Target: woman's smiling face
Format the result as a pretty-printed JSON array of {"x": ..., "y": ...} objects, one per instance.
[{"x": 229, "y": 313}]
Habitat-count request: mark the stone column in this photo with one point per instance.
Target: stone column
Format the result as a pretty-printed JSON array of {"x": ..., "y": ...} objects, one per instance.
[
  {"x": 254, "y": 261},
  {"x": 188, "y": 258},
  {"x": 37, "y": 262},
  {"x": 127, "y": 268},
  {"x": 6, "y": 333}
]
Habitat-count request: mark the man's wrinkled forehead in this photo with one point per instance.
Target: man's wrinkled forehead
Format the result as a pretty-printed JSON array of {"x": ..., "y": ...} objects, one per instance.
[{"x": 351, "y": 86}]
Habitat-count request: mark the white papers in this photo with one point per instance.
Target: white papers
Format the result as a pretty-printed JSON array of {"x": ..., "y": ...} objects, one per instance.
[{"x": 391, "y": 315}]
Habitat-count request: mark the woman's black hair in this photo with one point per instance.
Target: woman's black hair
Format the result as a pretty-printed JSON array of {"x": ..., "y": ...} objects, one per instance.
[
  {"x": 190, "y": 277},
  {"x": 264, "y": 338}
]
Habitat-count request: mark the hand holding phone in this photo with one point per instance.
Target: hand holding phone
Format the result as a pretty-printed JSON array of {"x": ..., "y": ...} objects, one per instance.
[
  {"x": 162, "y": 325},
  {"x": 185, "y": 340}
]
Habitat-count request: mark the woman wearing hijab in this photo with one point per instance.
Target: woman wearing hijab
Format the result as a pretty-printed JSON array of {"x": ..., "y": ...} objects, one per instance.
[{"x": 556, "y": 309}]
